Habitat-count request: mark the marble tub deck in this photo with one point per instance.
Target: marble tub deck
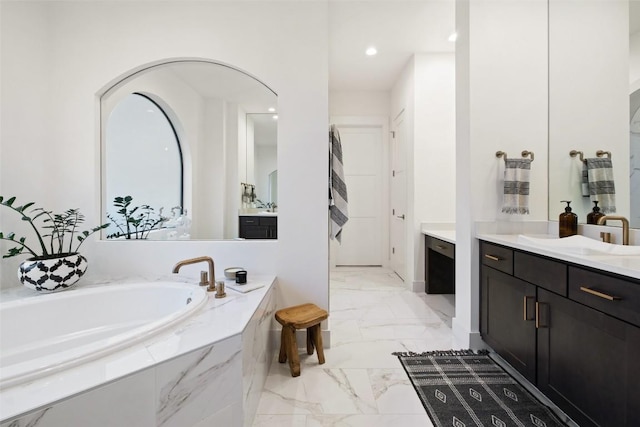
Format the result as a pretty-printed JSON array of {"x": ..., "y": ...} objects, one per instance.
[{"x": 361, "y": 383}]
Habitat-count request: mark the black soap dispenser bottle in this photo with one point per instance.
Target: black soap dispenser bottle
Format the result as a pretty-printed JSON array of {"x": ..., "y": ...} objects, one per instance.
[
  {"x": 594, "y": 215},
  {"x": 568, "y": 221}
]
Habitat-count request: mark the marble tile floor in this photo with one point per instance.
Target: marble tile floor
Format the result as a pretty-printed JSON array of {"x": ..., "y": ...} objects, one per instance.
[{"x": 362, "y": 384}]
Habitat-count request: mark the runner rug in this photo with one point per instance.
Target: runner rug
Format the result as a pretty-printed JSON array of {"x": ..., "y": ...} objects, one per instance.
[{"x": 464, "y": 388}]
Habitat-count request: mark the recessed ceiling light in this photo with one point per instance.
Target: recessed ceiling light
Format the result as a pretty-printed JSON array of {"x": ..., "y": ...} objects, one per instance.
[
  {"x": 453, "y": 37},
  {"x": 272, "y": 110},
  {"x": 371, "y": 51},
  {"x": 275, "y": 117}
]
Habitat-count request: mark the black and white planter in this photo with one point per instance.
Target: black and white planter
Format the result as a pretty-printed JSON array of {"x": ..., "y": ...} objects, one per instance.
[{"x": 52, "y": 274}]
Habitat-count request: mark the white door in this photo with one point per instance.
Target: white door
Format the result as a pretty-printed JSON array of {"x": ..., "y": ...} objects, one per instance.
[
  {"x": 362, "y": 161},
  {"x": 398, "y": 198}
]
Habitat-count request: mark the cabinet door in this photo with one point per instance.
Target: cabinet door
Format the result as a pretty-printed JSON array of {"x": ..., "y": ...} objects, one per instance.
[
  {"x": 587, "y": 363},
  {"x": 507, "y": 319}
]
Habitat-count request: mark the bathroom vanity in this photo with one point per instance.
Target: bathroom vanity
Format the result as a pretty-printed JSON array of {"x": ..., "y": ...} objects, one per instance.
[
  {"x": 439, "y": 261},
  {"x": 263, "y": 226},
  {"x": 569, "y": 324}
]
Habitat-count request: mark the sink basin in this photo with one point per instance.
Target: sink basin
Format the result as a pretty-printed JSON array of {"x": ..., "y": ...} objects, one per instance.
[{"x": 579, "y": 245}]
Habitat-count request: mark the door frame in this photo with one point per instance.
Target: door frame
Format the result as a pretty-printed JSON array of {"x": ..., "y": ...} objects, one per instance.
[{"x": 373, "y": 122}]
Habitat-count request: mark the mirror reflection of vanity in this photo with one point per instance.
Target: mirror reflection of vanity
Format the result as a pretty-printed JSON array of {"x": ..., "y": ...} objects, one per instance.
[
  {"x": 182, "y": 137},
  {"x": 594, "y": 77}
]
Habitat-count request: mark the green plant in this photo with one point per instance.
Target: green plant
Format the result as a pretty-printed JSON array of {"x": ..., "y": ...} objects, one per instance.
[
  {"x": 57, "y": 235},
  {"x": 136, "y": 222}
]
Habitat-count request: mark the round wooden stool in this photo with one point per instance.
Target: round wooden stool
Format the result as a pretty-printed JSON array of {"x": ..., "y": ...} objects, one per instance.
[{"x": 305, "y": 316}]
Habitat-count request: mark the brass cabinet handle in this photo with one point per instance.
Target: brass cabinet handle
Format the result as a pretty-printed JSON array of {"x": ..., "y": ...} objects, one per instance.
[
  {"x": 538, "y": 323},
  {"x": 525, "y": 308},
  {"x": 599, "y": 294},
  {"x": 492, "y": 257}
]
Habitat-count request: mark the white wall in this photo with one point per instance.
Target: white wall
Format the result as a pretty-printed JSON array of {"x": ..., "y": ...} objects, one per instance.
[
  {"x": 426, "y": 92},
  {"x": 359, "y": 103},
  {"x": 58, "y": 56},
  {"x": 501, "y": 104}
]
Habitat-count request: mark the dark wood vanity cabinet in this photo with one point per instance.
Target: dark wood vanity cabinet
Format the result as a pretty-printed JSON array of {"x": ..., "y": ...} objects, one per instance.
[
  {"x": 258, "y": 227},
  {"x": 439, "y": 266},
  {"x": 554, "y": 322}
]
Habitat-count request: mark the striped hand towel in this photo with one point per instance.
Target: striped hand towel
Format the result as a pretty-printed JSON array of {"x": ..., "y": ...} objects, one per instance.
[
  {"x": 516, "y": 186},
  {"x": 338, "y": 203},
  {"x": 601, "y": 185},
  {"x": 585, "y": 180}
]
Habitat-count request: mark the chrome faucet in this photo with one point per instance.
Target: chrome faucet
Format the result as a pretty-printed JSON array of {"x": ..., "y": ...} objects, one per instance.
[
  {"x": 625, "y": 226},
  {"x": 211, "y": 282}
]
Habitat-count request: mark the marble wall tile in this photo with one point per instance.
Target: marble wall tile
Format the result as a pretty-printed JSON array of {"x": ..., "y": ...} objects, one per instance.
[
  {"x": 125, "y": 402},
  {"x": 196, "y": 386}
]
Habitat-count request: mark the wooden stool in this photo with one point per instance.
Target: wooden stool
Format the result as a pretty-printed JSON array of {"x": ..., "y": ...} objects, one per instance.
[{"x": 302, "y": 316}]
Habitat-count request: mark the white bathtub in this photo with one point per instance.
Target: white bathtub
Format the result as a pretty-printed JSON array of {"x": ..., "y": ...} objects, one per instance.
[{"x": 47, "y": 333}]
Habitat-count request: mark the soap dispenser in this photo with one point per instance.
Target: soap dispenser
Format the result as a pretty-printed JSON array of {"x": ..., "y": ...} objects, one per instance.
[
  {"x": 594, "y": 215},
  {"x": 568, "y": 221}
]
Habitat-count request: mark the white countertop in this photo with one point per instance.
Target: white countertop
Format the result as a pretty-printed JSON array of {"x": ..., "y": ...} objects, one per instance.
[
  {"x": 446, "y": 235},
  {"x": 624, "y": 265},
  {"x": 217, "y": 320}
]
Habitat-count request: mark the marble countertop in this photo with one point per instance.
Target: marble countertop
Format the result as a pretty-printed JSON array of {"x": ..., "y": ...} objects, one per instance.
[
  {"x": 446, "y": 235},
  {"x": 624, "y": 265},
  {"x": 261, "y": 213},
  {"x": 217, "y": 320}
]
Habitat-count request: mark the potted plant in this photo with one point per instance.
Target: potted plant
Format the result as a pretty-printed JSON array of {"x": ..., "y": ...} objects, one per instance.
[{"x": 55, "y": 263}]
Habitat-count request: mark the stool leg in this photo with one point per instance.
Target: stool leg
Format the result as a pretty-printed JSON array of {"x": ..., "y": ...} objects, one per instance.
[
  {"x": 317, "y": 338},
  {"x": 310, "y": 340},
  {"x": 282, "y": 357},
  {"x": 292, "y": 352}
]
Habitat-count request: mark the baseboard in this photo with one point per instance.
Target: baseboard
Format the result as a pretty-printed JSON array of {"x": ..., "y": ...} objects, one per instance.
[
  {"x": 463, "y": 338},
  {"x": 418, "y": 286}
]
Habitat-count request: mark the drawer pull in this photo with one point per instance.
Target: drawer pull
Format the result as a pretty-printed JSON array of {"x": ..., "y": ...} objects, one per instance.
[
  {"x": 442, "y": 248},
  {"x": 525, "y": 308},
  {"x": 599, "y": 294},
  {"x": 492, "y": 257}
]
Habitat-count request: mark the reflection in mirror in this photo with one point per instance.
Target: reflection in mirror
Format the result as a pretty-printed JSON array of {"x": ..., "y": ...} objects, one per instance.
[
  {"x": 176, "y": 138},
  {"x": 634, "y": 110},
  {"x": 589, "y": 76},
  {"x": 262, "y": 158}
]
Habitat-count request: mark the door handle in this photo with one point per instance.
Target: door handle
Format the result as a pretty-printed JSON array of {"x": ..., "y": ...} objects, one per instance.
[
  {"x": 539, "y": 306},
  {"x": 525, "y": 307},
  {"x": 400, "y": 216}
]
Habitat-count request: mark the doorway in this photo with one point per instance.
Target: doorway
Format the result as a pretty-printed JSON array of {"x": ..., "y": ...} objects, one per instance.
[{"x": 364, "y": 235}]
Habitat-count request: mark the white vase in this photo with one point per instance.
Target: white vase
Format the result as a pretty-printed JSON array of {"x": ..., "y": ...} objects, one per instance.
[{"x": 52, "y": 274}]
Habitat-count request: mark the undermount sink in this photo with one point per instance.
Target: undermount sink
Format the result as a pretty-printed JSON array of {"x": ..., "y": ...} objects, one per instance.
[{"x": 579, "y": 245}]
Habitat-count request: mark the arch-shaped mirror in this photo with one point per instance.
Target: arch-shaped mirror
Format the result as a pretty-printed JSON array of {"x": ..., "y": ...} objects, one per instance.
[{"x": 180, "y": 142}]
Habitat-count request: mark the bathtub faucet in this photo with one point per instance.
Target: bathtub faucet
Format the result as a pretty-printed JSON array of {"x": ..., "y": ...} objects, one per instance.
[{"x": 212, "y": 276}]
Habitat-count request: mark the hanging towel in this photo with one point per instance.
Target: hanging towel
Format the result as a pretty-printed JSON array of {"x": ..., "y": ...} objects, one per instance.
[
  {"x": 601, "y": 185},
  {"x": 338, "y": 204},
  {"x": 516, "y": 186},
  {"x": 585, "y": 180}
]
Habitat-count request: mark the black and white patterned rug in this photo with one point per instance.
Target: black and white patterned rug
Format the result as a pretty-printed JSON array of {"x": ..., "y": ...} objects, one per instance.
[{"x": 464, "y": 388}]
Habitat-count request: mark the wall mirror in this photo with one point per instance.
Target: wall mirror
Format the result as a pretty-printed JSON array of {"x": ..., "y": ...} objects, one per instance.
[
  {"x": 179, "y": 142},
  {"x": 594, "y": 71}
]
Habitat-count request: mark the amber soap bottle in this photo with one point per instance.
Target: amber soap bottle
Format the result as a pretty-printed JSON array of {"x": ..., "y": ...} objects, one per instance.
[
  {"x": 595, "y": 215},
  {"x": 568, "y": 221}
]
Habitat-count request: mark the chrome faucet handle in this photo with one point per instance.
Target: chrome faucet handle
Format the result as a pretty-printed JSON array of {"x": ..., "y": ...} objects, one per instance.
[{"x": 204, "y": 278}]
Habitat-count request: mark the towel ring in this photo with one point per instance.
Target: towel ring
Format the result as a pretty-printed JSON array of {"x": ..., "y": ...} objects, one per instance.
[
  {"x": 574, "y": 153},
  {"x": 601, "y": 153}
]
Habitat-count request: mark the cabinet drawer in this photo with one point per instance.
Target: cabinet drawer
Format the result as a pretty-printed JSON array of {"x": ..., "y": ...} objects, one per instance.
[
  {"x": 617, "y": 297},
  {"x": 445, "y": 248},
  {"x": 258, "y": 220},
  {"x": 543, "y": 272},
  {"x": 497, "y": 257}
]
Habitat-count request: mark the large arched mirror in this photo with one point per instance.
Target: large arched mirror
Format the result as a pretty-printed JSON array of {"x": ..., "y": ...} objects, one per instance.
[{"x": 181, "y": 143}]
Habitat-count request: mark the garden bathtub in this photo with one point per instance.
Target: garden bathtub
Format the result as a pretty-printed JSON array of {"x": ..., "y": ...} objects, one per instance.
[{"x": 48, "y": 333}]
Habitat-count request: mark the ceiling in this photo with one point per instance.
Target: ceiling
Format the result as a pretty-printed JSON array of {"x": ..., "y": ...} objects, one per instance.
[{"x": 397, "y": 28}]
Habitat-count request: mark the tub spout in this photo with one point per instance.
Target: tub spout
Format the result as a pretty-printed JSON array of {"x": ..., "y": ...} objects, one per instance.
[{"x": 212, "y": 276}]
